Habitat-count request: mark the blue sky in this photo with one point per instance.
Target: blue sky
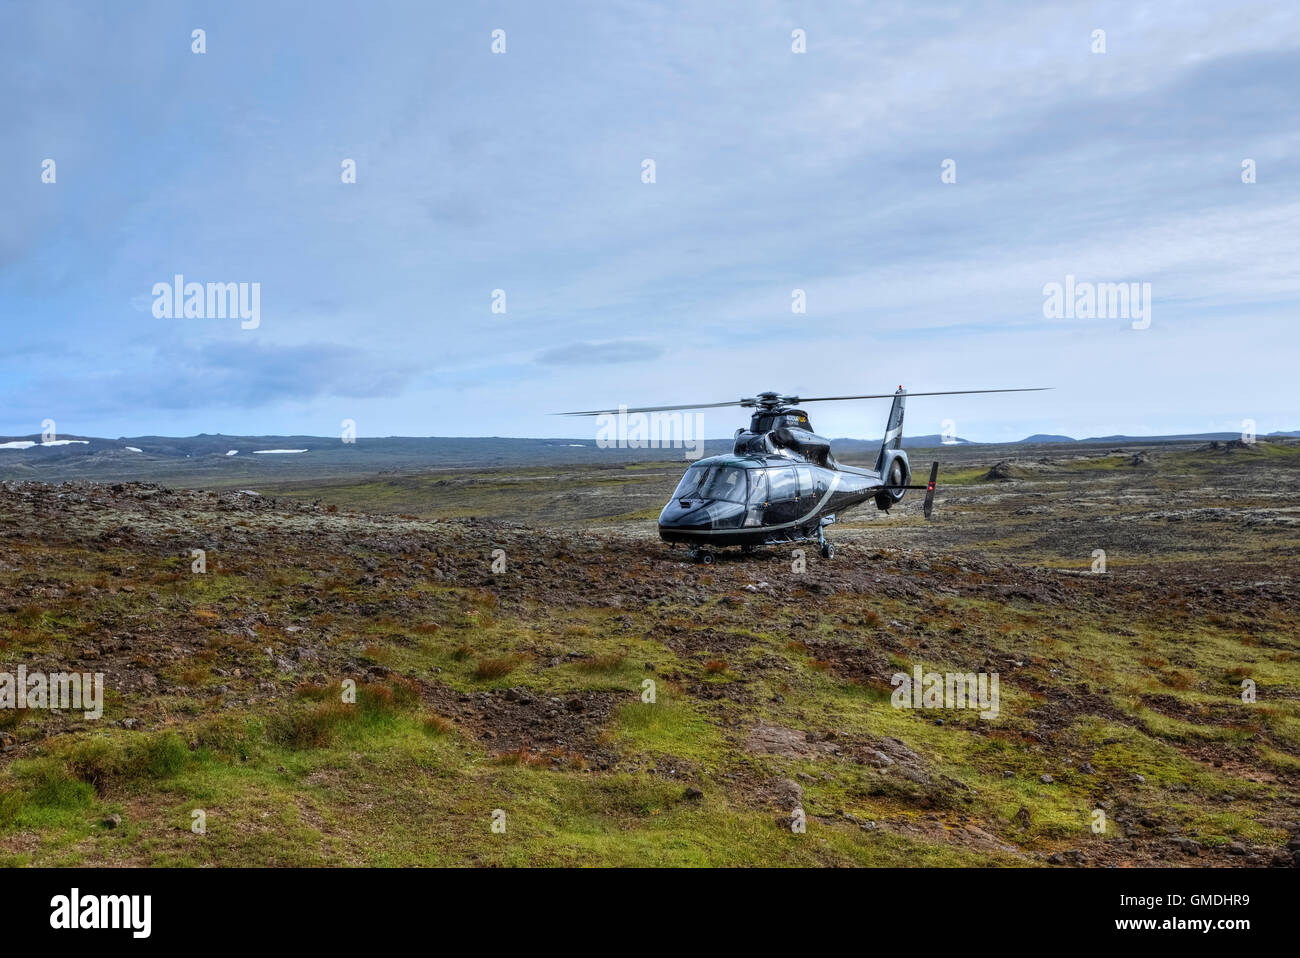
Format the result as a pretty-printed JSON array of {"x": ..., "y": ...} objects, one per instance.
[{"x": 523, "y": 172}]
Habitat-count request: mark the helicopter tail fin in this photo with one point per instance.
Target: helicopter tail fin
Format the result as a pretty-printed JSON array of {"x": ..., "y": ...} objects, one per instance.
[{"x": 893, "y": 427}]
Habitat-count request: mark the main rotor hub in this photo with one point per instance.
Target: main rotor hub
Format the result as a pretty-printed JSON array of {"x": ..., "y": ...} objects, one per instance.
[{"x": 770, "y": 401}]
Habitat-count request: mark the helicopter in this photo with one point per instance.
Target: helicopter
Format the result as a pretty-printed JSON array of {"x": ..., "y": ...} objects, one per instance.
[{"x": 780, "y": 482}]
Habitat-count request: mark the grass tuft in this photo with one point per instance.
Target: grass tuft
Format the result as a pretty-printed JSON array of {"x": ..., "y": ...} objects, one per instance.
[{"x": 488, "y": 669}]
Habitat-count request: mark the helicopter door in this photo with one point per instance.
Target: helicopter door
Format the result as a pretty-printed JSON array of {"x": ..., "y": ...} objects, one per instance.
[
  {"x": 757, "y": 503},
  {"x": 783, "y": 495},
  {"x": 807, "y": 493}
]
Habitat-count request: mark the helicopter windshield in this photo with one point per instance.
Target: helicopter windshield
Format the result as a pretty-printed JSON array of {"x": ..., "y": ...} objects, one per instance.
[{"x": 712, "y": 482}]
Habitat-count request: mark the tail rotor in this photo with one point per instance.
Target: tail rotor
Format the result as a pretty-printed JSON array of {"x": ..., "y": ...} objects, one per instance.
[{"x": 929, "y": 489}]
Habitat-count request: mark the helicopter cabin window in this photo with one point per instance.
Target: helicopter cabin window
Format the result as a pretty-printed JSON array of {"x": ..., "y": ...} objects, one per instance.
[
  {"x": 783, "y": 483},
  {"x": 712, "y": 482}
]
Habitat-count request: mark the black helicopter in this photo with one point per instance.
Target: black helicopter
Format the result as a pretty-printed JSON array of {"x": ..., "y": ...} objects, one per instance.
[{"x": 780, "y": 483}]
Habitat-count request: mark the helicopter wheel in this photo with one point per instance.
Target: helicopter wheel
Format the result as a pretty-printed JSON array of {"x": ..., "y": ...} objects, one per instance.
[
  {"x": 828, "y": 551},
  {"x": 705, "y": 557}
]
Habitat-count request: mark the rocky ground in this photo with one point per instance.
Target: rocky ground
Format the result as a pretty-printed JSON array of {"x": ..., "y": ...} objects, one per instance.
[{"x": 505, "y": 666}]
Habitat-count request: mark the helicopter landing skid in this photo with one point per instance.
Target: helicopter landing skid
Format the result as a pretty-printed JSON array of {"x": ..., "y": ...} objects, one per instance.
[
  {"x": 696, "y": 554},
  {"x": 706, "y": 556},
  {"x": 824, "y": 546}
]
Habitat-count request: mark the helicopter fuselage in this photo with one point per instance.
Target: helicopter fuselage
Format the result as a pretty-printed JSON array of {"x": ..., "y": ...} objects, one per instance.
[{"x": 752, "y": 499}]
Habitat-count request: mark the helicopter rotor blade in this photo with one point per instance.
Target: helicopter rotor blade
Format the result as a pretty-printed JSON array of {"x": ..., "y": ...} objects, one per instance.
[
  {"x": 909, "y": 395},
  {"x": 777, "y": 400},
  {"x": 615, "y": 412}
]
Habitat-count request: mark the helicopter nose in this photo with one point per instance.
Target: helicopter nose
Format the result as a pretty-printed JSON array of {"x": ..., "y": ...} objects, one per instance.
[
  {"x": 683, "y": 513},
  {"x": 686, "y": 514}
]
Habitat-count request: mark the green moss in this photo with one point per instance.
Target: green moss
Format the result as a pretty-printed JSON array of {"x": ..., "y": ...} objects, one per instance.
[{"x": 669, "y": 726}]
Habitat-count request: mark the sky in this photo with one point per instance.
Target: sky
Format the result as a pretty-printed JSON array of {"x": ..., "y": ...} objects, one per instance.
[{"x": 524, "y": 171}]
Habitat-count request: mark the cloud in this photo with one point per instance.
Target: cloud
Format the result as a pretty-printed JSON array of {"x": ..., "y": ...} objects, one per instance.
[
  {"x": 600, "y": 354},
  {"x": 232, "y": 374},
  {"x": 254, "y": 375}
]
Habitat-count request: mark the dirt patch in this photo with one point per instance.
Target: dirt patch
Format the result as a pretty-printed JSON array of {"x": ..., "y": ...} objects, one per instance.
[
  {"x": 786, "y": 742},
  {"x": 564, "y": 728}
]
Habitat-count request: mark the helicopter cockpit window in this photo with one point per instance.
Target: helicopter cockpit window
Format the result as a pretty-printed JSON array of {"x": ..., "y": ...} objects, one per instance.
[
  {"x": 724, "y": 482},
  {"x": 712, "y": 482},
  {"x": 690, "y": 482}
]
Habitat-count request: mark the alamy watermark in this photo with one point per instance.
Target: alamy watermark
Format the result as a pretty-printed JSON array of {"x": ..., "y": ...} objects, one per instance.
[
  {"x": 68, "y": 691},
  {"x": 946, "y": 690},
  {"x": 181, "y": 300},
  {"x": 656, "y": 430},
  {"x": 1072, "y": 300},
  {"x": 129, "y": 912}
]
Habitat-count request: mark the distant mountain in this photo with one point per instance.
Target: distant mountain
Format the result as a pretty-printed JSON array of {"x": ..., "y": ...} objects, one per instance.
[
  {"x": 1183, "y": 437},
  {"x": 216, "y": 460},
  {"x": 213, "y": 461},
  {"x": 858, "y": 448}
]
